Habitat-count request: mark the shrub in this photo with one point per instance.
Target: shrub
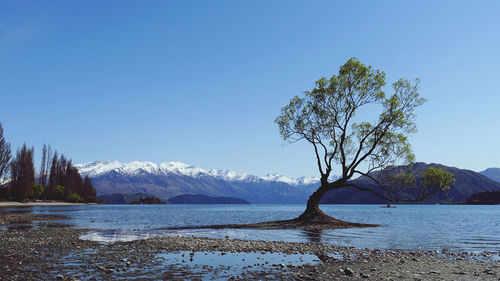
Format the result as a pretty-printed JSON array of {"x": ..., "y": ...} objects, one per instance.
[
  {"x": 75, "y": 198},
  {"x": 36, "y": 191},
  {"x": 60, "y": 192}
]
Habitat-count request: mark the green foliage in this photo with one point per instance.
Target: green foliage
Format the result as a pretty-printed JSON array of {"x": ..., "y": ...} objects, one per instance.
[
  {"x": 75, "y": 198},
  {"x": 54, "y": 171},
  {"x": 327, "y": 118},
  {"x": 93, "y": 199},
  {"x": 432, "y": 181},
  {"x": 394, "y": 182},
  {"x": 60, "y": 192},
  {"x": 62, "y": 171},
  {"x": 336, "y": 118},
  {"x": 37, "y": 191},
  {"x": 437, "y": 177}
]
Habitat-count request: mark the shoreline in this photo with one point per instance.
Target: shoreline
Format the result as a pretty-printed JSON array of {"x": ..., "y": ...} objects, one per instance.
[
  {"x": 29, "y": 204},
  {"x": 33, "y": 247}
]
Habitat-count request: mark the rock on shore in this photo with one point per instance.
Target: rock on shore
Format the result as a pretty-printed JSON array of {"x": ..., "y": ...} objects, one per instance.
[{"x": 47, "y": 250}]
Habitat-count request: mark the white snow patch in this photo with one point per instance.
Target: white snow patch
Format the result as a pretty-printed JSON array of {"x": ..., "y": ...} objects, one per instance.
[{"x": 134, "y": 168}]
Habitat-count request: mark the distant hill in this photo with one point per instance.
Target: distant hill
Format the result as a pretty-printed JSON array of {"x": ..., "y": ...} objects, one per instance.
[
  {"x": 492, "y": 173},
  {"x": 148, "y": 200},
  {"x": 467, "y": 183},
  {"x": 203, "y": 199},
  {"x": 122, "y": 198}
]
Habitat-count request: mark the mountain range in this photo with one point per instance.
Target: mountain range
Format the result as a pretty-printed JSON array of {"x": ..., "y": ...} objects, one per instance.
[
  {"x": 170, "y": 179},
  {"x": 467, "y": 183}
]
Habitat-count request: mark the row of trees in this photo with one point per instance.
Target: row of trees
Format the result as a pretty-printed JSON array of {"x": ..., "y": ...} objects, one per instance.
[{"x": 58, "y": 178}]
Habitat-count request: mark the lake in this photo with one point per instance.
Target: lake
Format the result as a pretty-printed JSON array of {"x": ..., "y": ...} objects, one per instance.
[{"x": 414, "y": 227}]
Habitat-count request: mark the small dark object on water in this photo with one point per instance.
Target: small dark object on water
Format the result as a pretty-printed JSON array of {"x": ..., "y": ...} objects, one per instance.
[{"x": 388, "y": 206}]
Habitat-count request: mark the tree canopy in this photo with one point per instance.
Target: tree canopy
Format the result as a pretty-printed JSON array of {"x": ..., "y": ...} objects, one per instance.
[
  {"x": 331, "y": 118},
  {"x": 58, "y": 179}
]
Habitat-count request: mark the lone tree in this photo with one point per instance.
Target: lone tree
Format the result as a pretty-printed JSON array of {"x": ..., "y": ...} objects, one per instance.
[{"x": 328, "y": 118}]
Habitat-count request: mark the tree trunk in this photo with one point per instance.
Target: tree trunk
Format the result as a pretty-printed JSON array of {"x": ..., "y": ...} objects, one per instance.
[{"x": 312, "y": 211}]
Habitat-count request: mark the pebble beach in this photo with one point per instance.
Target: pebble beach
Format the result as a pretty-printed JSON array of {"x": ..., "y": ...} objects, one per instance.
[{"x": 35, "y": 247}]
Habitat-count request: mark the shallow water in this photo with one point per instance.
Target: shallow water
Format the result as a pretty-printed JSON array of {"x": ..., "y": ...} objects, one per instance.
[
  {"x": 180, "y": 265},
  {"x": 424, "y": 227},
  {"x": 234, "y": 263}
]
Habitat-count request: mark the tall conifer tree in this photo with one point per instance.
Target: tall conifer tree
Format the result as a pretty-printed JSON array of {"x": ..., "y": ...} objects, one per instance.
[
  {"x": 23, "y": 173},
  {"x": 5, "y": 154}
]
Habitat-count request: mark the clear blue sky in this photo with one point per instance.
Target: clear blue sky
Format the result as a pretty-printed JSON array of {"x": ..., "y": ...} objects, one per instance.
[{"x": 201, "y": 82}]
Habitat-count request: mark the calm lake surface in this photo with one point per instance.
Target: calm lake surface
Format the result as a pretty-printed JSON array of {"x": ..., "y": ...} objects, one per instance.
[{"x": 424, "y": 227}]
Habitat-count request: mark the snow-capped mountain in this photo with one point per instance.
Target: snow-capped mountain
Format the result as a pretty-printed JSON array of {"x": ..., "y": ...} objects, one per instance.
[
  {"x": 136, "y": 168},
  {"x": 169, "y": 179}
]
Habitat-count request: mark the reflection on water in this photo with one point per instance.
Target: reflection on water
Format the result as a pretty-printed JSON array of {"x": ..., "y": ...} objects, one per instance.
[
  {"x": 218, "y": 265},
  {"x": 425, "y": 227},
  {"x": 182, "y": 265},
  {"x": 234, "y": 262},
  {"x": 112, "y": 236},
  {"x": 313, "y": 236},
  {"x": 20, "y": 211},
  {"x": 19, "y": 227}
]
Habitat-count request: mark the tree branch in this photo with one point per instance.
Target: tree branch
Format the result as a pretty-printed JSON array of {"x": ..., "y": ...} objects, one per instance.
[{"x": 387, "y": 198}]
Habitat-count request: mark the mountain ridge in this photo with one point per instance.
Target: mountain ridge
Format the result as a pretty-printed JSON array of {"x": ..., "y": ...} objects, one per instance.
[
  {"x": 97, "y": 168},
  {"x": 492, "y": 173},
  {"x": 467, "y": 183},
  {"x": 170, "y": 179}
]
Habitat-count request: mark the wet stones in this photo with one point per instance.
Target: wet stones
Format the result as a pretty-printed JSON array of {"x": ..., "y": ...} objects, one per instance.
[
  {"x": 347, "y": 271},
  {"x": 53, "y": 253},
  {"x": 363, "y": 275}
]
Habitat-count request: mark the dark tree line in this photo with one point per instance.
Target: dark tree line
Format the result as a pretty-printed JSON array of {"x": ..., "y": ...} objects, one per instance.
[
  {"x": 65, "y": 182},
  {"x": 4, "y": 154},
  {"x": 484, "y": 198},
  {"x": 58, "y": 178},
  {"x": 22, "y": 174}
]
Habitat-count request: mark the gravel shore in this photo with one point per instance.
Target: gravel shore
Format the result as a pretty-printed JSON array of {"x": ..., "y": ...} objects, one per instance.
[{"x": 33, "y": 247}]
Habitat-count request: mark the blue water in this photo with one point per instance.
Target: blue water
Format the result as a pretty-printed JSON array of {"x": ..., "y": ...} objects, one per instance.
[{"x": 424, "y": 227}]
